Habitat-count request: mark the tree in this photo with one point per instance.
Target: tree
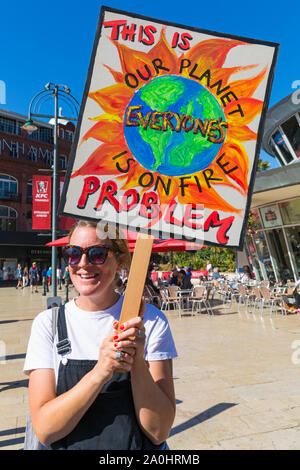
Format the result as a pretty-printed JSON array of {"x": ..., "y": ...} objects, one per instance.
[{"x": 262, "y": 165}]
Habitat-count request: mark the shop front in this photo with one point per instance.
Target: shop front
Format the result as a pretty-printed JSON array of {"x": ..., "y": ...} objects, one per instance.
[
  {"x": 274, "y": 246},
  {"x": 23, "y": 248}
]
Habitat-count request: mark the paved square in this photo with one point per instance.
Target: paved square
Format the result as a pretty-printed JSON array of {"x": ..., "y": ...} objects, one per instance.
[{"x": 237, "y": 376}]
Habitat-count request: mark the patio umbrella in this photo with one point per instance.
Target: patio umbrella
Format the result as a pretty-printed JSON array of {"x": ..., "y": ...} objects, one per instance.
[
  {"x": 131, "y": 238},
  {"x": 159, "y": 246},
  {"x": 175, "y": 245},
  {"x": 59, "y": 242}
]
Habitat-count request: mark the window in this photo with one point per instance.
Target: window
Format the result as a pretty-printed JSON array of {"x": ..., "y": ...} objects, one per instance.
[
  {"x": 8, "y": 219},
  {"x": 264, "y": 256},
  {"x": 14, "y": 152},
  {"x": 61, "y": 133},
  {"x": 10, "y": 126},
  {"x": 279, "y": 253},
  {"x": 8, "y": 187},
  {"x": 271, "y": 216},
  {"x": 293, "y": 241},
  {"x": 42, "y": 134},
  {"x": 290, "y": 211},
  {"x": 69, "y": 136},
  {"x": 32, "y": 154},
  {"x": 282, "y": 147},
  {"x": 291, "y": 129},
  {"x": 256, "y": 223},
  {"x": 62, "y": 162},
  {"x": 29, "y": 191}
]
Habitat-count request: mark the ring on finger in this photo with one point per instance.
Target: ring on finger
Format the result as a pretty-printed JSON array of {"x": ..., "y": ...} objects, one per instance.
[
  {"x": 120, "y": 355},
  {"x": 141, "y": 334}
]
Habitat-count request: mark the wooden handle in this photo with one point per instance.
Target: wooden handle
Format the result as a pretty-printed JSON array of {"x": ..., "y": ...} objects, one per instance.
[{"x": 136, "y": 279}]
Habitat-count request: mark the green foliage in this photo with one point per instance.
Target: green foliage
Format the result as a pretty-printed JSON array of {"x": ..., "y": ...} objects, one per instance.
[
  {"x": 262, "y": 165},
  {"x": 222, "y": 258}
]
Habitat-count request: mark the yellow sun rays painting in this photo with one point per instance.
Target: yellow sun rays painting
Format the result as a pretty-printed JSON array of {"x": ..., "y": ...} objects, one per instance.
[{"x": 170, "y": 128}]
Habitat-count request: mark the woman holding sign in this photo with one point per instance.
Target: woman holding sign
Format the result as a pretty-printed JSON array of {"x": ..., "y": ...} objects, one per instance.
[{"x": 78, "y": 397}]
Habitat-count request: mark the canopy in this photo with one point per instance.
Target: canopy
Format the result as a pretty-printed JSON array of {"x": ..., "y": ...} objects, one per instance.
[
  {"x": 171, "y": 244},
  {"x": 159, "y": 246},
  {"x": 59, "y": 242}
]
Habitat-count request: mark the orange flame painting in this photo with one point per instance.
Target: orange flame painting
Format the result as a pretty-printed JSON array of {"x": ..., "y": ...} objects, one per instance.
[{"x": 179, "y": 114}]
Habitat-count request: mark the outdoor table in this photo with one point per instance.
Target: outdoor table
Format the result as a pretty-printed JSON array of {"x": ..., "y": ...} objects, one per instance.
[{"x": 184, "y": 294}]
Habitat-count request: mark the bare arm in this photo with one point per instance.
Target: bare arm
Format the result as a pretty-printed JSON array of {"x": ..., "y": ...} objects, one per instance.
[
  {"x": 154, "y": 398},
  {"x": 152, "y": 386},
  {"x": 54, "y": 417}
]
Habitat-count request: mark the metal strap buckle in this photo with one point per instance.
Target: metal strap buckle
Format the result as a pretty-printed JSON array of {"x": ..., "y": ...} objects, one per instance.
[{"x": 64, "y": 346}]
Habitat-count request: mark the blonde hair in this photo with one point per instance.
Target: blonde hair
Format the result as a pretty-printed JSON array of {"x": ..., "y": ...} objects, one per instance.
[{"x": 119, "y": 244}]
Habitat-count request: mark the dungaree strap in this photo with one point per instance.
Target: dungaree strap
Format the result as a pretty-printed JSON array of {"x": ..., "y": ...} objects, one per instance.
[{"x": 64, "y": 345}]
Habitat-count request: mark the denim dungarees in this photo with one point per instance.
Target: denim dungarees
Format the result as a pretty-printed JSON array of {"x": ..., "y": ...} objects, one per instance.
[{"x": 110, "y": 423}]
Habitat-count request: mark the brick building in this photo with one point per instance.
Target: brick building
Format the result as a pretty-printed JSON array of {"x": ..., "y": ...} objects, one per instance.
[{"x": 21, "y": 157}]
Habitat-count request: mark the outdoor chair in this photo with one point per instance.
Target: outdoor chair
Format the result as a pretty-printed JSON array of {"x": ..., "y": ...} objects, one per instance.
[
  {"x": 234, "y": 293},
  {"x": 227, "y": 295},
  {"x": 215, "y": 287},
  {"x": 152, "y": 297},
  {"x": 265, "y": 284},
  {"x": 201, "y": 296},
  {"x": 173, "y": 292},
  {"x": 167, "y": 302},
  {"x": 290, "y": 292},
  {"x": 219, "y": 288},
  {"x": 272, "y": 301},
  {"x": 244, "y": 296},
  {"x": 258, "y": 299}
]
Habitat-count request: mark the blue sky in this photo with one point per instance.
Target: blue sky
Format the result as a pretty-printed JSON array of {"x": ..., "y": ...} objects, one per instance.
[{"x": 52, "y": 41}]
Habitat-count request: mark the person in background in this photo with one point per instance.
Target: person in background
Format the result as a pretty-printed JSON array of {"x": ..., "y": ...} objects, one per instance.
[
  {"x": 49, "y": 275},
  {"x": 45, "y": 279},
  {"x": 66, "y": 276},
  {"x": 19, "y": 276},
  {"x": 246, "y": 275},
  {"x": 119, "y": 289},
  {"x": 33, "y": 277},
  {"x": 173, "y": 279},
  {"x": 216, "y": 273},
  {"x": 297, "y": 294},
  {"x": 208, "y": 267},
  {"x": 25, "y": 277},
  {"x": 189, "y": 272},
  {"x": 184, "y": 281}
]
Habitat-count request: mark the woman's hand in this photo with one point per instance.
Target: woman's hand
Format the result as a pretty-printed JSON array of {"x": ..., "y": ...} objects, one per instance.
[
  {"x": 131, "y": 334},
  {"x": 108, "y": 361}
]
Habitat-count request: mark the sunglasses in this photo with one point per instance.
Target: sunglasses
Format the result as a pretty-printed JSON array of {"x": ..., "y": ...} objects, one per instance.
[{"x": 95, "y": 254}]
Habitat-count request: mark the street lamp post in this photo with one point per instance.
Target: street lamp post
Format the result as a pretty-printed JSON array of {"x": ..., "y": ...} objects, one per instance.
[{"x": 62, "y": 92}]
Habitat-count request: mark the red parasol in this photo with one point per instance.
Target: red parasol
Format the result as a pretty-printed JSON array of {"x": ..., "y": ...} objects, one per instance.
[
  {"x": 159, "y": 246},
  {"x": 175, "y": 245},
  {"x": 59, "y": 242}
]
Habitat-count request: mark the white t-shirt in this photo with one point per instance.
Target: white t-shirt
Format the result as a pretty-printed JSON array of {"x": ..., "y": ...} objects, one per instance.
[{"x": 86, "y": 331}]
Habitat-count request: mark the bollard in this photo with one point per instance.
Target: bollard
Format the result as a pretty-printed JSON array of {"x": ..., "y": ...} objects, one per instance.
[
  {"x": 66, "y": 293},
  {"x": 45, "y": 287}
]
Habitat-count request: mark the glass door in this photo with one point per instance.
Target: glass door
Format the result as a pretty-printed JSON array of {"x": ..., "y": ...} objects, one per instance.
[{"x": 280, "y": 255}]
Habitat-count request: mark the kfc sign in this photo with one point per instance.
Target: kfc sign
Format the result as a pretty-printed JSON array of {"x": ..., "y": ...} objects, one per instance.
[{"x": 41, "y": 203}]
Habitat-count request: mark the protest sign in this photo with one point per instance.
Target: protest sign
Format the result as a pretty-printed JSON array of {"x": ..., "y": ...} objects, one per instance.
[{"x": 169, "y": 131}]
